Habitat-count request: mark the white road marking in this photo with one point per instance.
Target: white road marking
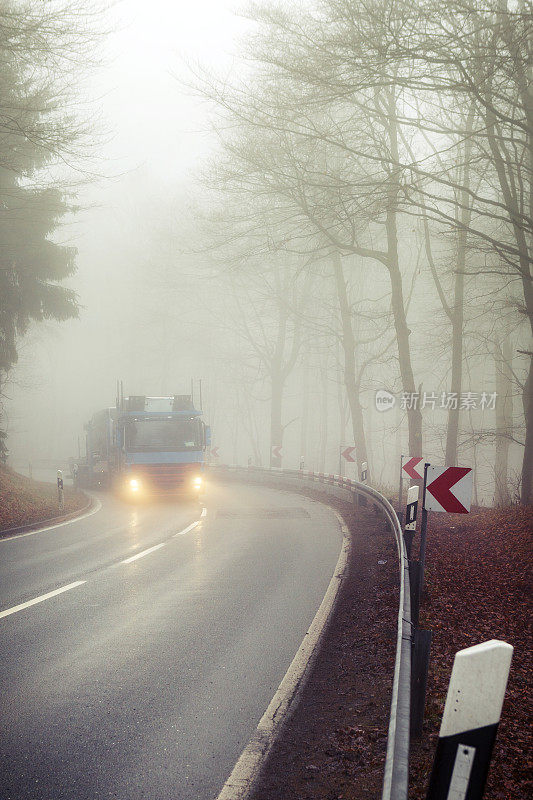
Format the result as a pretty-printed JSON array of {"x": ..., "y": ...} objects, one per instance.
[
  {"x": 40, "y": 599},
  {"x": 97, "y": 507},
  {"x": 187, "y": 529},
  {"x": 142, "y": 553},
  {"x": 204, "y": 512}
]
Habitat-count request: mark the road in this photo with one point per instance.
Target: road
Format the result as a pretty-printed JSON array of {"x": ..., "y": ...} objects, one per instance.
[{"x": 146, "y": 675}]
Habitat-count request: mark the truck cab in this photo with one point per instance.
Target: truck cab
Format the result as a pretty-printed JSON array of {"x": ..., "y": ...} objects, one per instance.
[
  {"x": 146, "y": 446},
  {"x": 162, "y": 441}
]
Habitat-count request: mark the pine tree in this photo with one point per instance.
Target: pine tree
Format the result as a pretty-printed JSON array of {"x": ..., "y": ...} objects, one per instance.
[{"x": 44, "y": 52}]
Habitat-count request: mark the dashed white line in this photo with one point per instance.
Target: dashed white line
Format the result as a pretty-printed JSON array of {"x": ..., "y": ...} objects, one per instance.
[
  {"x": 142, "y": 553},
  {"x": 187, "y": 529},
  {"x": 40, "y": 599},
  {"x": 66, "y": 588},
  {"x": 204, "y": 512}
]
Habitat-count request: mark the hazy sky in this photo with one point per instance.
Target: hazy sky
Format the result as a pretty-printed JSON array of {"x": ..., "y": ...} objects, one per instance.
[{"x": 152, "y": 120}]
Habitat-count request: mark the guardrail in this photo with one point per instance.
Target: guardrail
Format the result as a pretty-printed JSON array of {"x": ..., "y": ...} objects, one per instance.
[{"x": 396, "y": 772}]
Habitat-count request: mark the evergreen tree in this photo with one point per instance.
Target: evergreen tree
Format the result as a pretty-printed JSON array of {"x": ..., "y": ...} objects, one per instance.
[{"x": 44, "y": 51}]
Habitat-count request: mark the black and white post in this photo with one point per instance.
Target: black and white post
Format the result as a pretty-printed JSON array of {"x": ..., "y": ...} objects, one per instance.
[
  {"x": 470, "y": 721},
  {"x": 411, "y": 511},
  {"x": 60, "y": 496},
  {"x": 364, "y": 472}
]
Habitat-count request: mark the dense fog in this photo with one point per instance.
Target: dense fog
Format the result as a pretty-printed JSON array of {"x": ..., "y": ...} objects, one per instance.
[{"x": 298, "y": 227}]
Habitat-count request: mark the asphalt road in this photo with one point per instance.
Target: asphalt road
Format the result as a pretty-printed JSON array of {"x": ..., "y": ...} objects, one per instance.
[{"x": 147, "y": 674}]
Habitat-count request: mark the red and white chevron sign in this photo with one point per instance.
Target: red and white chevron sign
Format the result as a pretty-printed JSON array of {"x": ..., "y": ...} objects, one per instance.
[
  {"x": 214, "y": 452},
  {"x": 276, "y": 451},
  {"x": 347, "y": 453},
  {"x": 449, "y": 489},
  {"x": 411, "y": 467}
]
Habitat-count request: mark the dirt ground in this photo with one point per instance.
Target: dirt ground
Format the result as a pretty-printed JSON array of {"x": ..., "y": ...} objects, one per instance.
[
  {"x": 24, "y": 501},
  {"x": 478, "y": 587}
]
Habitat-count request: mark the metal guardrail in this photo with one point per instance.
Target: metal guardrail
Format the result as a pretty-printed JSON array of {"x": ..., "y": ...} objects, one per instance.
[{"x": 396, "y": 772}]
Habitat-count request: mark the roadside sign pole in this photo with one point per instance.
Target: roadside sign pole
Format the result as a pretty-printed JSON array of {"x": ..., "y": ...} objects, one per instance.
[
  {"x": 419, "y": 679},
  {"x": 400, "y": 492},
  {"x": 423, "y": 531},
  {"x": 421, "y": 637},
  {"x": 417, "y": 568}
]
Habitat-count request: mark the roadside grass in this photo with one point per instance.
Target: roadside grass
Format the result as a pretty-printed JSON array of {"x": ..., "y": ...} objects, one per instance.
[{"x": 24, "y": 501}]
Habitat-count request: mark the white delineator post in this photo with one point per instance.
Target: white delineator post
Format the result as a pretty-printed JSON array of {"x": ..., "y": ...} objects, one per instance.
[
  {"x": 470, "y": 721},
  {"x": 410, "y": 518},
  {"x": 60, "y": 497}
]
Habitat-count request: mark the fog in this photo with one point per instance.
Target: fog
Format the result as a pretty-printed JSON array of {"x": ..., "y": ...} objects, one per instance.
[{"x": 233, "y": 228}]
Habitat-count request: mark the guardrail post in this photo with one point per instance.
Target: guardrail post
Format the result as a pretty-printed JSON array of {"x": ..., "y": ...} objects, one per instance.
[
  {"x": 414, "y": 580},
  {"x": 419, "y": 675}
]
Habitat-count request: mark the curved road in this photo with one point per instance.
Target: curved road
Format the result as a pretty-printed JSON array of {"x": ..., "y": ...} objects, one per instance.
[{"x": 147, "y": 674}]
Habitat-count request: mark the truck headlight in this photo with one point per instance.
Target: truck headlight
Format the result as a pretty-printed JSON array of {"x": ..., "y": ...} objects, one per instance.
[
  {"x": 197, "y": 482},
  {"x": 134, "y": 485}
]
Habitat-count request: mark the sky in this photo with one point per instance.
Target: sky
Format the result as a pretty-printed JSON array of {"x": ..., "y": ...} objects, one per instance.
[{"x": 154, "y": 121}]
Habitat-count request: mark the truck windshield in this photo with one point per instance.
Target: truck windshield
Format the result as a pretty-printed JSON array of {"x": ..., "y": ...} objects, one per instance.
[{"x": 145, "y": 434}]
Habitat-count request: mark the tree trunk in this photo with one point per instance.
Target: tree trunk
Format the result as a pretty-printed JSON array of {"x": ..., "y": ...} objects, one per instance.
[
  {"x": 457, "y": 310},
  {"x": 348, "y": 346},
  {"x": 323, "y": 419},
  {"x": 504, "y": 421},
  {"x": 276, "y": 428},
  {"x": 304, "y": 423},
  {"x": 526, "y": 495},
  {"x": 414, "y": 416},
  {"x": 513, "y": 208},
  {"x": 341, "y": 399}
]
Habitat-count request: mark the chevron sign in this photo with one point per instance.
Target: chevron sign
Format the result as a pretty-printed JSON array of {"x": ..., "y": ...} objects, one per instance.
[
  {"x": 414, "y": 467},
  {"x": 449, "y": 489}
]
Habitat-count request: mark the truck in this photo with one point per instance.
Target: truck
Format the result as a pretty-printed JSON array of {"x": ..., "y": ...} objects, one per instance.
[{"x": 145, "y": 446}]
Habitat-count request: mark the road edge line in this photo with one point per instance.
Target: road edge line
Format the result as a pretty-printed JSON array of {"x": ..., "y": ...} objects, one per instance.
[
  {"x": 253, "y": 758},
  {"x": 93, "y": 506}
]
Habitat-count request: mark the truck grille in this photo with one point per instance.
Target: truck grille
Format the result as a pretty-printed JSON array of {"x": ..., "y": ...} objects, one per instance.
[{"x": 166, "y": 477}]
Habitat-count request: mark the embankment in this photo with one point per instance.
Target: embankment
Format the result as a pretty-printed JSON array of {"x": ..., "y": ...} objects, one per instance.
[{"x": 24, "y": 501}]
